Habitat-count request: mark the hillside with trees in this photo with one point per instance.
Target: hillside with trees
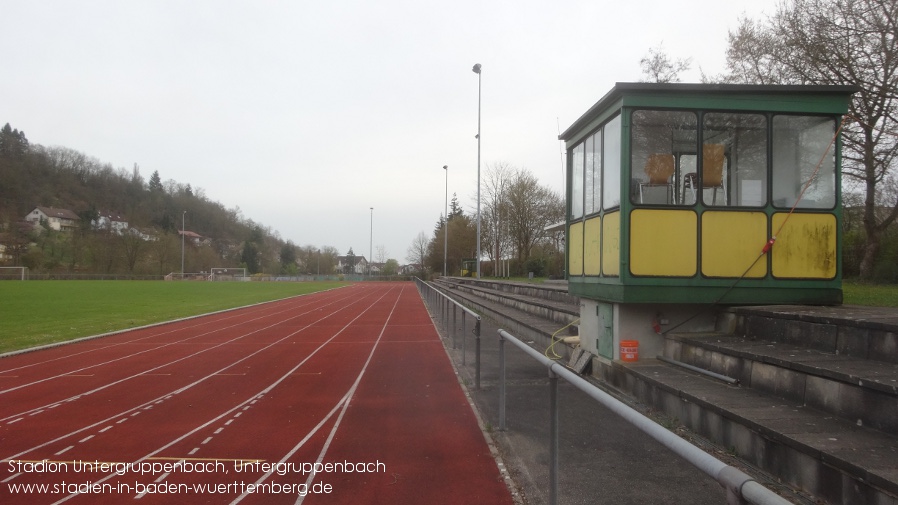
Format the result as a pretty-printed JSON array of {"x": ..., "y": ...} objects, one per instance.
[{"x": 32, "y": 175}]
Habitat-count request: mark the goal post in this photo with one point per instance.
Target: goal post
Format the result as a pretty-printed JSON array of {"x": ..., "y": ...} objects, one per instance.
[
  {"x": 13, "y": 273},
  {"x": 227, "y": 274}
]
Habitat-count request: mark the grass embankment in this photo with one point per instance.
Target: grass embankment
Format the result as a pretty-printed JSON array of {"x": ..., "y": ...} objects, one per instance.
[
  {"x": 43, "y": 312},
  {"x": 876, "y": 295}
]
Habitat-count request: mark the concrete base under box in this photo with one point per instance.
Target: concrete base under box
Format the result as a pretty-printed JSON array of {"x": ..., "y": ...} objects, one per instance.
[{"x": 604, "y": 325}]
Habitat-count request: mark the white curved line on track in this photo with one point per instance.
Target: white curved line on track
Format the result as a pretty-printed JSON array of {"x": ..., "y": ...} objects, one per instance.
[
  {"x": 217, "y": 418},
  {"x": 153, "y": 348},
  {"x": 149, "y": 370},
  {"x": 130, "y": 412},
  {"x": 344, "y": 403},
  {"x": 100, "y": 348}
]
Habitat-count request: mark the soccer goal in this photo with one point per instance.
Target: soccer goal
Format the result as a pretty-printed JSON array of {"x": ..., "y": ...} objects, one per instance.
[
  {"x": 228, "y": 274},
  {"x": 13, "y": 273}
]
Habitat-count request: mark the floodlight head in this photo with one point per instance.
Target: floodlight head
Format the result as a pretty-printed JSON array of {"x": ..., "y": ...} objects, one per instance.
[
  {"x": 445, "y": 167},
  {"x": 476, "y": 68}
]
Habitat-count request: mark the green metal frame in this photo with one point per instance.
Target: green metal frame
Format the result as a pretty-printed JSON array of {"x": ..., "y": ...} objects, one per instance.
[{"x": 624, "y": 98}]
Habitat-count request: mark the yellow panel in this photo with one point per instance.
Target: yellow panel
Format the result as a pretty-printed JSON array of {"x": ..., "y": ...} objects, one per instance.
[
  {"x": 611, "y": 244},
  {"x": 592, "y": 251},
  {"x": 806, "y": 246},
  {"x": 575, "y": 249},
  {"x": 731, "y": 242},
  {"x": 663, "y": 243}
]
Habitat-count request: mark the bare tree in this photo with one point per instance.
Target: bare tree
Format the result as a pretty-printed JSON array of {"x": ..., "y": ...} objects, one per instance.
[
  {"x": 847, "y": 42},
  {"x": 531, "y": 209},
  {"x": 132, "y": 247},
  {"x": 658, "y": 67},
  {"x": 493, "y": 239},
  {"x": 417, "y": 251},
  {"x": 380, "y": 254}
]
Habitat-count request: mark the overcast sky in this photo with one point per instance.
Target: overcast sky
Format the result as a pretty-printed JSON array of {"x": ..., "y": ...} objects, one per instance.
[{"x": 305, "y": 114}]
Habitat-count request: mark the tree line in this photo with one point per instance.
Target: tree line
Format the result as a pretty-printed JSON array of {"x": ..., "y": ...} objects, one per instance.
[{"x": 516, "y": 211}]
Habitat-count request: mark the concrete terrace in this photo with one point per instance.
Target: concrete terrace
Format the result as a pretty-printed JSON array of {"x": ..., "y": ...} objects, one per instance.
[{"x": 812, "y": 398}]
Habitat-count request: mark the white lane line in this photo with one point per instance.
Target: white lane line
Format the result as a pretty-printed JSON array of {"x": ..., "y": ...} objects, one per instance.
[
  {"x": 226, "y": 413},
  {"x": 330, "y": 436},
  {"x": 290, "y": 309},
  {"x": 147, "y": 372},
  {"x": 85, "y": 439},
  {"x": 344, "y": 403},
  {"x": 63, "y": 451},
  {"x": 11, "y": 477}
]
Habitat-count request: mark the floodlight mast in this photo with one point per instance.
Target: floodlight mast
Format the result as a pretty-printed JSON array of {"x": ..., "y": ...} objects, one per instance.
[
  {"x": 446, "y": 225},
  {"x": 476, "y": 70}
]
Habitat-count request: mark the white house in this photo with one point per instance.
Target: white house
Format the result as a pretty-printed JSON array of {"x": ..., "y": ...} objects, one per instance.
[
  {"x": 111, "y": 221},
  {"x": 56, "y": 219},
  {"x": 360, "y": 267}
]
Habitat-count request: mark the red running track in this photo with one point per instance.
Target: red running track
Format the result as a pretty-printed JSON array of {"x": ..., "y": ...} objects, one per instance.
[{"x": 345, "y": 396}]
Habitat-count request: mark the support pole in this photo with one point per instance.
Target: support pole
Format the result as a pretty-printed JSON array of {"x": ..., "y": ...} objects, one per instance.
[
  {"x": 501, "y": 383},
  {"x": 553, "y": 438},
  {"x": 477, "y": 354}
]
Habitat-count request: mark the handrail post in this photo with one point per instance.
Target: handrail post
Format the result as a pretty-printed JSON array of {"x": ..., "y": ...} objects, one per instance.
[
  {"x": 477, "y": 354},
  {"x": 740, "y": 488},
  {"x": 455, "y": 326},
  {"x": 464, "y": 324},
  {"x": 553, "y": 437},
  {"x": 501, "y": 383}
]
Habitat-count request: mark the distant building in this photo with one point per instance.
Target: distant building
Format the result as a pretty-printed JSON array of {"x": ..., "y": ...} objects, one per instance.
[
  {"x": 195, "y": 238},
  {"x": 56, "y": 219},
  {"x": 359, "y": 266},
  {"x": 410, "y": 269},
  {"x": 112, "y": 221}
]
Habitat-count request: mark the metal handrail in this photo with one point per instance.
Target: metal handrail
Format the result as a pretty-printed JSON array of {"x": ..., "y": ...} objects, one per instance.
[
  {"x": 740, "y": 487},
  {"x": 436, "y": 297}
]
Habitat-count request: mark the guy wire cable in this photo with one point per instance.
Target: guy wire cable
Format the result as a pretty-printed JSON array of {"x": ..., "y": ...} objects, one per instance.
[{"x": 555, "y": 356}]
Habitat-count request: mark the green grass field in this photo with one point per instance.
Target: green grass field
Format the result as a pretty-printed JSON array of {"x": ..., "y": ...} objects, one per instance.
[{"x": 43, "y": 312}]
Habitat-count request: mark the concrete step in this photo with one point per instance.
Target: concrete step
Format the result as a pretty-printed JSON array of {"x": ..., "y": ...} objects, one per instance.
[
  {"x": 548, "y": 302},
  {"x": 820, "y": 416},
  {"x": 834, "y": 460},
  {"x": 846, "y": 330},
  {"x": 523, "y": 316},
  {"x": 862, "y": 391}
]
